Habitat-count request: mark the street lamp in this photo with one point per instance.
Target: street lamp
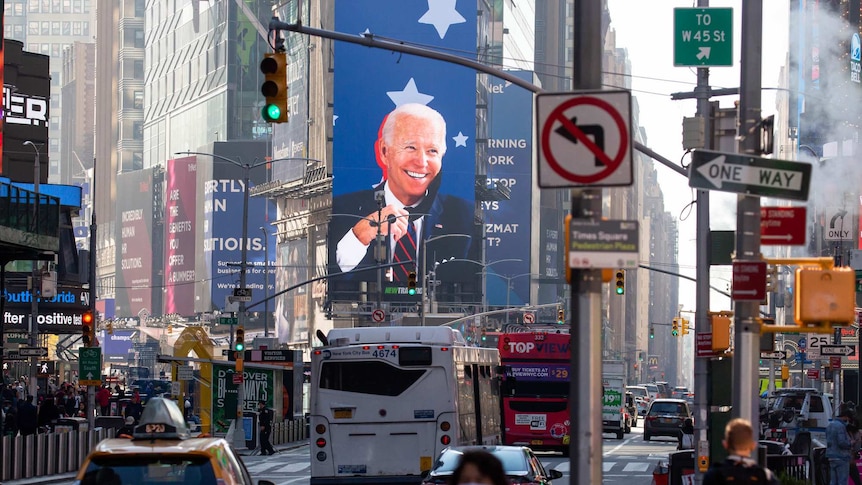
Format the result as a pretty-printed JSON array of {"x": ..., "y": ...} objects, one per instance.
[
  {"x": 485, "y": 275},
  {"x": 34, "y": 297},
  {"x": 509, "y": 287},
  {"x": 265, "y": 281},
  {"x": 424, "y": 273}
]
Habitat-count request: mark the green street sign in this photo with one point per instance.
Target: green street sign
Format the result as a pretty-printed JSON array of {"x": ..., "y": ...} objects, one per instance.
[
  {"x": 90, "y": 366},
  {"x": 227, "y": 320},
  {"x": 703, "y": 37}
]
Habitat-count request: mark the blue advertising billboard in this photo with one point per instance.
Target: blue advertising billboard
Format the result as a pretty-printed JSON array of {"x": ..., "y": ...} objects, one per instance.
[
  {"x": 403, "y": 143},
  {"x": 224, "y": 198},
  {"x": 116, "y": 346},
  {"x": 510, "y": 163}
]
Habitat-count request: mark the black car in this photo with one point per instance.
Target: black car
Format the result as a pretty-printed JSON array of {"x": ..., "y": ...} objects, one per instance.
[
  {"x": 519, "y": 462},
  {"x": 665, "y": 417}
]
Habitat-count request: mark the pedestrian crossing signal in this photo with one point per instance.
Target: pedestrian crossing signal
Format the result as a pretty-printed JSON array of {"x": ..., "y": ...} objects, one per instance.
[{"x": 675, "y": 327}]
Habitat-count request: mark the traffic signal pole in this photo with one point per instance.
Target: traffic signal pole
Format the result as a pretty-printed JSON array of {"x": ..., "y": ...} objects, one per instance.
[{"x": 747, "y": 327}]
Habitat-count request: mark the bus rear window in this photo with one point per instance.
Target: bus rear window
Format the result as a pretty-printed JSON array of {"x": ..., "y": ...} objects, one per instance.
[
  {"x": 367, "y": 377},
  {"x": 414, "y": 356}
]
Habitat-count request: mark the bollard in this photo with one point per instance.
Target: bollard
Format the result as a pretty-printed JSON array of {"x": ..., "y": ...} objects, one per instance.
[
  {"x": 7, "y": 459},
  {"x": 83, "y": 448},
  {"x": 62, "y": 452},
  {"x": 39, "y": 450},
  {"x": 51, "y": 454},
  {"x": 23, "y": 462}
]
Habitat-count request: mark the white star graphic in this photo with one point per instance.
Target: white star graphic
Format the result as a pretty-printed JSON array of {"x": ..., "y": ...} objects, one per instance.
[
  {"x": 334, "y": 119},
  {"x": 460, "y": 140},
  {"x": 410, "y": 94},
  {"x": 441, "y": 14}
]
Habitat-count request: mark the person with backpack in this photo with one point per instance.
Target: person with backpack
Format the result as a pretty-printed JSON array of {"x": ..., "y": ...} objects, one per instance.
[
  {"x": 838, "y": 445},
  {"x": 738, "y": 467}
]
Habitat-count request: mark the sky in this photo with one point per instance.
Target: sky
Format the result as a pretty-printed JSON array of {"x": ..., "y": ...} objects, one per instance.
[{"x": 645, "y": 29}]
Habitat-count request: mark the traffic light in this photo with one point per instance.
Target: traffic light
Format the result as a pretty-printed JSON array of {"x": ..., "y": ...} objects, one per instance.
[
  {"x": 87, "y": 322},
  {"x": 675, "y": 327},
  {"x": 651, "y": 331},
  {"x": 684, "y": 326},
  {"x": 239, "y": 340},
  {"x": 561, "y": 316},
  {"x": 621, "y": 282},
  {"x": 274, "y": 88},
  {"x": 411, "y": 283}
]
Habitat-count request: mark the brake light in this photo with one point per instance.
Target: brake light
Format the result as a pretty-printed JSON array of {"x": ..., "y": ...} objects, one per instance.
[
  {"x": 321, "y": 442},
  {"x": 445, "y": 439},
  {"x": 320, "y": 428}
]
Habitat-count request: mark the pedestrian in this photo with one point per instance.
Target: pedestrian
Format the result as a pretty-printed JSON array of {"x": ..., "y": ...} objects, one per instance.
[
  {"x": 686, "y": 435},
  {"x": 479, "y": 467},
  {"x": 134, "y": 408},
  {"x": 128, "y": 429},
  {"x": 264, "y": 419},
  {"x": 103, "y": 398},
  {"x": 838, "y": 445},
  {"x": 48, "y": 413},
  {"x": 27, "y": 416},
  {"x": 856, "y": 440},
  {"x": 10, "y": 419},
  {"x": 187, "y": 407},
  {"x": 738, "y": 467}
]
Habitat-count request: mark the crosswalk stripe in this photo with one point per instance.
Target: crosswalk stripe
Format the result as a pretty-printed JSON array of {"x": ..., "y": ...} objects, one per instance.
[
  {"x": 607, "y": 465},
  {"x": 636, "y": 467}
]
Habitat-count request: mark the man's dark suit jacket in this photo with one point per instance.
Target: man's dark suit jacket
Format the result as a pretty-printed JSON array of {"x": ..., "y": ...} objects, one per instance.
[{"x": 448, "y": 215}]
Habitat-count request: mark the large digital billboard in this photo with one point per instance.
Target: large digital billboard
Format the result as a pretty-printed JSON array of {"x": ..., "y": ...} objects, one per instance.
[
  {"x": 180, "y": 231},
  {"x": 117, "y": 346},
  {"x": 291, "y": 308},
  {"x": 507, "y": 222},
  {"x": 404, "y": 138},
  {"x": 223, "y": 201},
  {"x": 26, "y": 102},
  {"x": 134, "y": 247}
]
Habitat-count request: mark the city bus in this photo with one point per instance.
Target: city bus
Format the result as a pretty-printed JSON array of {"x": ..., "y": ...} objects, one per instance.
[
  {"x": 385, "y": 401},
  {"x": 535, "y": 389}
]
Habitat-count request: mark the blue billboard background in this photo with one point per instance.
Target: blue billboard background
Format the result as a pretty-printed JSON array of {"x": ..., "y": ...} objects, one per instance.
[
  {"x": 507, "y": 222},
  {"x": 370, "y": 83}
]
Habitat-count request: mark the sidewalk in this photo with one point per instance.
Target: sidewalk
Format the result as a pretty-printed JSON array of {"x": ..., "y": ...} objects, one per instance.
[{"x": 67, "y": 477}]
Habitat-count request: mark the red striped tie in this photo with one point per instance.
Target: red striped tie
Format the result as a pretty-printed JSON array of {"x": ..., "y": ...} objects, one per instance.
[{"x": 405, "y": 251}]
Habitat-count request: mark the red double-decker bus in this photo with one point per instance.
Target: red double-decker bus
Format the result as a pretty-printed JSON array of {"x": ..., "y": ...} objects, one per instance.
[{"x": 535, "y": 389}]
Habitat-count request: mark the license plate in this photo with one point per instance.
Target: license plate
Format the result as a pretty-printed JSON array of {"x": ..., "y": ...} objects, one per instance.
[
  {"x": 536, "y": 442},
  {"x": 343, "y": 413},
  {"x": 666, "y": 420}
]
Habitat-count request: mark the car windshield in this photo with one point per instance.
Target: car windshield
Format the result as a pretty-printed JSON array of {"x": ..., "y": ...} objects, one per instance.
[
  {"x": 513, "y": 461},
  {"x": 667, "y": 408},
  {"x": 140, "y": 470},
  {"x": 638, "y": 391}
]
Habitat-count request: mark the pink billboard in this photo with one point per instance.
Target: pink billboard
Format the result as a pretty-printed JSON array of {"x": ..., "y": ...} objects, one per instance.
[{"x": 180, "y": 227}]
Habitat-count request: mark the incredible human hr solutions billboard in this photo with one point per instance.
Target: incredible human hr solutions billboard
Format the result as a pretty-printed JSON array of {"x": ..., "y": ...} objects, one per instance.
[
  {"x": 134, "y": 280},
  {"x": 180, "y": 231},
  {"x": 510, "y": 163},
  {"x": 434, "y": 174}
]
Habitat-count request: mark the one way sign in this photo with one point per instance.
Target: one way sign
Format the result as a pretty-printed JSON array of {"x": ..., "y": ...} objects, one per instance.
[
  {"x": 741, "y": 174},
  {"x": 845, "y": 350}
]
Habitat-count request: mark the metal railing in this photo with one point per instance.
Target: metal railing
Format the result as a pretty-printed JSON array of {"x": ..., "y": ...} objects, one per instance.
[
  {"x": 18, "y": 223},
  {"x": 289, "y": 432},
  {"x": 792, "y": 466},
  {"x": 46, "y": 454}
]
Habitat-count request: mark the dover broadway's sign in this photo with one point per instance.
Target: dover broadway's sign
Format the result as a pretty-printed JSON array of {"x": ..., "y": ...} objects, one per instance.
[{"x": 58, "y": 314}]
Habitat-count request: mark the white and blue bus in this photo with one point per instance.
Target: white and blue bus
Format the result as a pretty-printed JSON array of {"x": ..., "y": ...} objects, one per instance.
[{"x": 386, "y": 400}]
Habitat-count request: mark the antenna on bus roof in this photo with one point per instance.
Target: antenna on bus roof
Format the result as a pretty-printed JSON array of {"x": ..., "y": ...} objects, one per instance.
[{"x": 322, "y": 337}]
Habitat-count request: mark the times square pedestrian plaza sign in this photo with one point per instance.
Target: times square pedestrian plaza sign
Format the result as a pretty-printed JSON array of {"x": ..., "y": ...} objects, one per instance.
[{"x": 59, "y": 314}]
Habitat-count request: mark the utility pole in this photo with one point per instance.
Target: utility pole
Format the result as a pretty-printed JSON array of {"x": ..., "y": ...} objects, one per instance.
[
  {"x": 265, "y": 281},
  {"x": 91, "y": 391},
  {"x": 747, "y": 335},
  {"x": 35, "y": 277},
  {"x": 586, "y": 365}
]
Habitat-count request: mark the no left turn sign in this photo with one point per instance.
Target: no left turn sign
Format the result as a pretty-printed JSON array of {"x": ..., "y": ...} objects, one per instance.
[
  {"x": 378, "y": 315},
  {"x": 584, "y": 139},
  {"x": 529, "y": 318}
]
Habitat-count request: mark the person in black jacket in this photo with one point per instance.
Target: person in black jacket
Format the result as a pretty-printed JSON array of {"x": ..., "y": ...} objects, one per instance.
[
  {"x": 10, "y": 419},
  {"x": 48, "y": 413},
  {"x": 264, "y": 419},
  {"x": 738, "y": 467},
  {"x": 27, "y": 416}
]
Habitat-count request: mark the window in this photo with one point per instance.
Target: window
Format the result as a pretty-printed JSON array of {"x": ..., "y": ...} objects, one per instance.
[
  {"x": 139, "y": 100},
  {"x": 55, "y": 28},
  {"x": 76, "y": 28},
  {"x": 32, "y": 6},
  {"x": 46, "y": 28},
  {"x": 370, "y": 377},
  {"x": 151, "y": 468},
  {"x": 33, "y": 29},
  {"x": 67, "y": 28}
]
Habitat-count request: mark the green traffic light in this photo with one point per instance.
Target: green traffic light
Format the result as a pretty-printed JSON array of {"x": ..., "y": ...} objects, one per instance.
[
  {"x": 239, "y": 347},
  {"x": 675, "y": 333},
  {"x": 271, "y": 112},
  {"x": 620, "y": 290},
  {"x": 411, "y": 291}
]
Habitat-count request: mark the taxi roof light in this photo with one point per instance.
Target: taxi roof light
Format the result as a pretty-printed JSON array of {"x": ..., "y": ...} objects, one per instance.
[{"x": 161, "y": 419}]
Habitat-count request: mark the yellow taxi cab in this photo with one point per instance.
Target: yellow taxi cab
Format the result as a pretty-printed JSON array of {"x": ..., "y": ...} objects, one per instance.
[{"x": 162, "y": 450}]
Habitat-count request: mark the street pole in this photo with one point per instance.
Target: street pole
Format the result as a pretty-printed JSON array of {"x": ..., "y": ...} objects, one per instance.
[
  {"x": 239, "y": 431},
  {"x": 747, "y": 334},
  {"x": 35, "y": 278},
  {"x": 424, "y": 275},
  {"x": 265, "y": 282},
  {"x": 702, "y": 323},
  {"x": 91, "y": 391},
  {"x": 586, "y": 365}
]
